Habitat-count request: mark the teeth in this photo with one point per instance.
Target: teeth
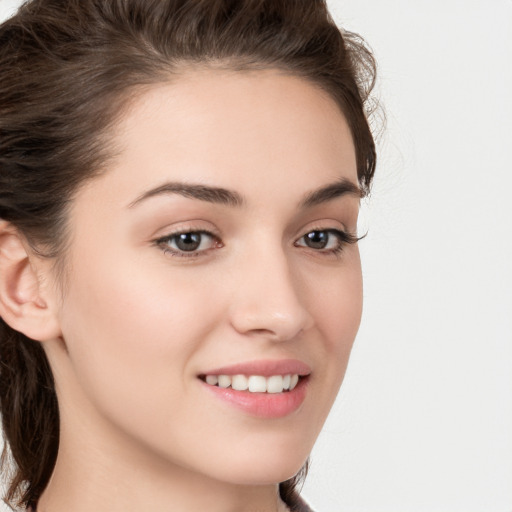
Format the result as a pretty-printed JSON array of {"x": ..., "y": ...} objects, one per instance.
[
  {"x": 239, "y": 382},
  {"x": 254, "y": 383},
  {"x": 257, "y": 384},
  {"x": 275, "y": 384},
  {"x": 224, "y": 381},
  {"x": 212, "y": 380}
]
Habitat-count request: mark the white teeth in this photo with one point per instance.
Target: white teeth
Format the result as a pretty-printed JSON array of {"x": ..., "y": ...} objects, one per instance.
[
  {"x": 212, "y": 380},
  {"x": 239, "y": 382},
  {"x": 224, "y": 381},
  {"x": 255, "y": 383},
  {"x": 275, "y": 384}
]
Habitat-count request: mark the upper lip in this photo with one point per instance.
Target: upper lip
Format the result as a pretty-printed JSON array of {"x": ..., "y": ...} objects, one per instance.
[{"x": 265, "y": 368}]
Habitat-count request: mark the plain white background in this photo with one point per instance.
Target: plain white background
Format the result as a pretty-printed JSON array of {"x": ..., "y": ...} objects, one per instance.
[{"x": 424, "y": 419}]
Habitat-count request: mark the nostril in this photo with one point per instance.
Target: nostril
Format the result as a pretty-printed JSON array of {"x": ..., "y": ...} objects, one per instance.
[{"x": 262, "y": 332}]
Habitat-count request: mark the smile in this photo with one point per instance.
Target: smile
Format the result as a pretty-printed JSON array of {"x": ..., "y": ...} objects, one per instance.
[
  {"x": 254, "y": 383},
  {"x": 271, "y": 388}
]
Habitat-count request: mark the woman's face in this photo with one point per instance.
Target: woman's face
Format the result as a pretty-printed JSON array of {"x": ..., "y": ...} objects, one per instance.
[{"x": 213, "y": 245}]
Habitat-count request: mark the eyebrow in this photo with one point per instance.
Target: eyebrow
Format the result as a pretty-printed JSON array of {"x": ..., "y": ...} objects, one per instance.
[
  {"x": 206, "y": 193},
  {"x": 223, "y": 196},
  {"x": 340, "y": 188}
]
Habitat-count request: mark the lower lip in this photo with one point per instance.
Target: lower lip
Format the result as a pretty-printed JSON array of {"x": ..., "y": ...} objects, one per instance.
[{"x": 263, "y": 405}]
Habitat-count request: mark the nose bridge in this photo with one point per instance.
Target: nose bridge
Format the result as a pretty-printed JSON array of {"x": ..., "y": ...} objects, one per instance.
[{"x": 269, "y": 300}]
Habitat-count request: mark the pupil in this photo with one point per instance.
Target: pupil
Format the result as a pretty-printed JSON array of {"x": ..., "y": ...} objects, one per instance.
[
  {"x": 317, "y": 239},
  {"x": 188, "y": 241}
]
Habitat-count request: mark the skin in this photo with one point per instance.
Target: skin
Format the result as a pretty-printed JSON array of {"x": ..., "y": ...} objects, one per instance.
[{"x": 138, "y": 324}]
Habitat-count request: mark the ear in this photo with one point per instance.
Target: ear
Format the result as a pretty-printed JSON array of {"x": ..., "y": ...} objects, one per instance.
[{"x": 25, "y": 298}]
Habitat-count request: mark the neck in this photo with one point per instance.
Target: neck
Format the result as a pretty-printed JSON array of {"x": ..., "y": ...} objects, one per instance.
[
  {"x": 100, "y": 472},
  {"x": 103, "y": 487}
]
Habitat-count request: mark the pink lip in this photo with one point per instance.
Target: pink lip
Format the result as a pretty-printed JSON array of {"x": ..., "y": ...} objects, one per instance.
[
  {"x": 265, "y": 368},
  {"x": 263, "y": 405}
]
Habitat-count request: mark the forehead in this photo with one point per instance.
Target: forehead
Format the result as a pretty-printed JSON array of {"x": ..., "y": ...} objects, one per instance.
[{"x": 241, "y": 130}]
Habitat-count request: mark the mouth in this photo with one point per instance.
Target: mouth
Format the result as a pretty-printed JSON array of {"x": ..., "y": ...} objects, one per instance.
[
  {"x": 272, "y": 384},
  {"x": 266, "y": 389}
]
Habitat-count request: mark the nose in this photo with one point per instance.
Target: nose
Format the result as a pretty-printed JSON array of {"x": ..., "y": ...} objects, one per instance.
[{"x": 269, "y": 298}]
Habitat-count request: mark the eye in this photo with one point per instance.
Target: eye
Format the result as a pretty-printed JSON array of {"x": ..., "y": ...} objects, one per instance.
[
  {"x": 320, "y": 240},
  {"x": 326, "y": 240},
  {"x": 188, "y": 243}
]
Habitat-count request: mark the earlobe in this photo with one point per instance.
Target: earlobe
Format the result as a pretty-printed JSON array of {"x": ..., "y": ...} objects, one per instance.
[{"x": 23, "y": 304}]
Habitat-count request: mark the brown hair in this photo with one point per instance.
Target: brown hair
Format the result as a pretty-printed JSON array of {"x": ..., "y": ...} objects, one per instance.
[{"x": 67, "y": 68}]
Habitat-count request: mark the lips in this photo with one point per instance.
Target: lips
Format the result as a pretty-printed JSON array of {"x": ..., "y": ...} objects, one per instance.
[
  {"x": 265, "y": 368},
  {"x": 267, "y": 388}
]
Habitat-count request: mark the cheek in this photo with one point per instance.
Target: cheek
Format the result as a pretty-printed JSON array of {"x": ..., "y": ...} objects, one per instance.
[
  {"x": 337, "y": 309},
  {"x": 337, "y": 306},
  {"x": 130, "y": 332},
  {"x": 343, "y": 315}
]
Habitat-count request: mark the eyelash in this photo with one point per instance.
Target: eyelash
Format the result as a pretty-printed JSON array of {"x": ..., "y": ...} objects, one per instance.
[{"x": 343, "y": 237}]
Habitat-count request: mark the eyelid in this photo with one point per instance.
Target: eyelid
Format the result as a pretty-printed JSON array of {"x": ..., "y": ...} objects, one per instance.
[
  {"x": 342, "y": 233},
  {"x": 329, "y": 224},
  {"x": 185, "y": 226}
]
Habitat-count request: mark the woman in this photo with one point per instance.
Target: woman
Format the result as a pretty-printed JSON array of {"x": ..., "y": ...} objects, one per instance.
[{"x": 180, "y": 281}]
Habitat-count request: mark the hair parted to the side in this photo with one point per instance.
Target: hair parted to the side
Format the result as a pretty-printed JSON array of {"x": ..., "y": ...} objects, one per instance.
[{"x": 67, "y": 70}]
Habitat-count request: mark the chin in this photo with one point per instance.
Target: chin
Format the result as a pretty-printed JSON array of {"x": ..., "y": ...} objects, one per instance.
[
  {"x": 265, "y": 476},
  {"x": 263, "y": 470}
]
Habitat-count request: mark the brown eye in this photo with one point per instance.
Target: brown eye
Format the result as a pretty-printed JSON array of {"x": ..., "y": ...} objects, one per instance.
[
  {"x": 188, "y": 242},
  {"x": 328, "y": 241},
  {"x": 317, "y": 239}
]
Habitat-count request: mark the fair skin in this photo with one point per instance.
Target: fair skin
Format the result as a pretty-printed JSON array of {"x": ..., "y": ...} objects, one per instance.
[{"x": 140, "y": 320}]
